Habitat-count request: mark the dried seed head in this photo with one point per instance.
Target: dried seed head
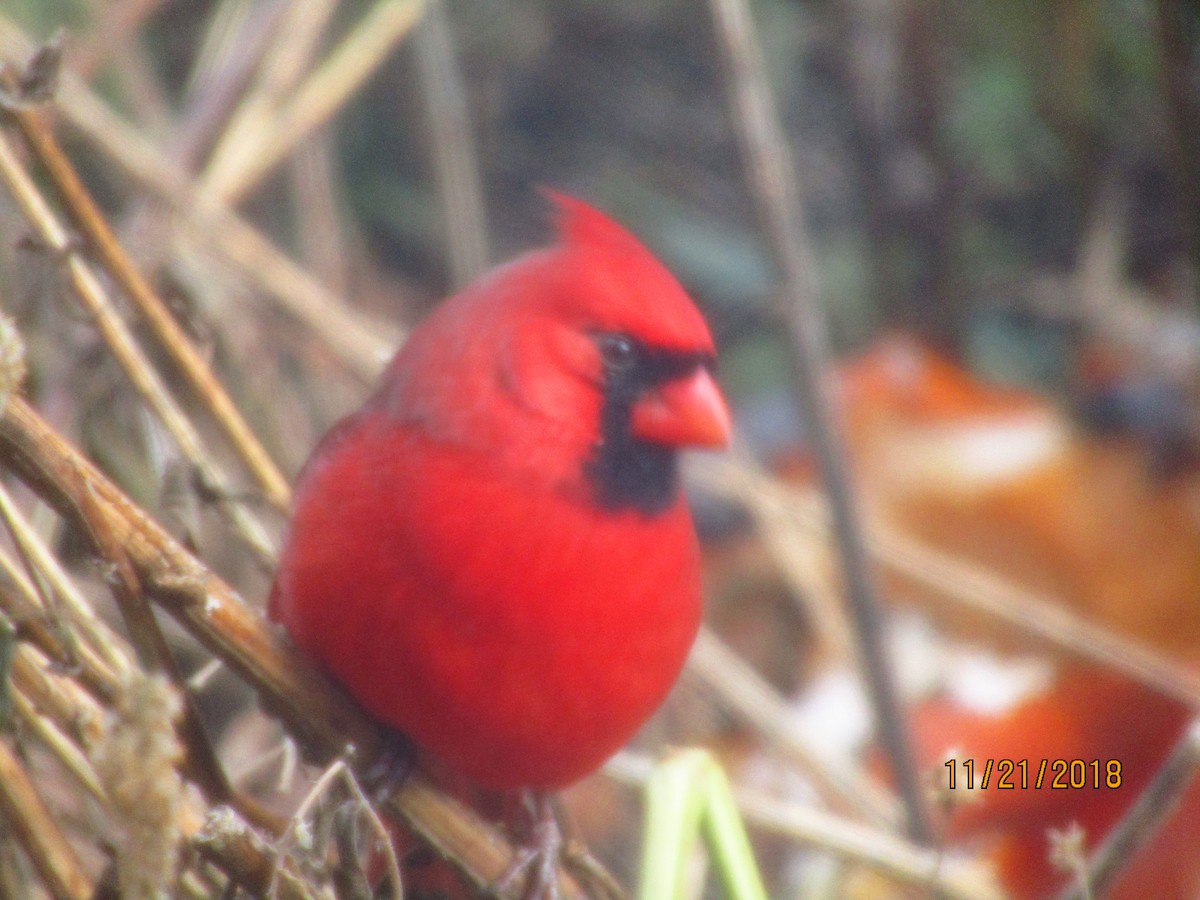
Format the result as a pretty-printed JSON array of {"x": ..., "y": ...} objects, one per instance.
[{"x": 137, "y": 759}]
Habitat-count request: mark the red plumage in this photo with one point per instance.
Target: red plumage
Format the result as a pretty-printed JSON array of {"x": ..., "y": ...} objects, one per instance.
[{"x": 493, "y": 554}]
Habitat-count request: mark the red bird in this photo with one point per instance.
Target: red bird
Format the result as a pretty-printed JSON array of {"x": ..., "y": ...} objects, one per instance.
[{"x": 494, "y": 555}]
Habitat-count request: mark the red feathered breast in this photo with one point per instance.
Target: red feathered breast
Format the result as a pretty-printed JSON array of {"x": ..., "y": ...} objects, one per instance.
[{"x": 516, "y": 632}]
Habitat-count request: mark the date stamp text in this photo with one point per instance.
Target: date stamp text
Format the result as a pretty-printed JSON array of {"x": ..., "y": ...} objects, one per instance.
[{"x": 1002, "y": 774}]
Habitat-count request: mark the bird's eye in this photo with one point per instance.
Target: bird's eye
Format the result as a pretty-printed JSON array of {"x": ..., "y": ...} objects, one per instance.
[{"x": 618, "y": 352}]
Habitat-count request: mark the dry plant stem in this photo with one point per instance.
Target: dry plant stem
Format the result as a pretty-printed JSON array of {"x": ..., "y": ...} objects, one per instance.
[
  {"x": 53, "y": 706},
  {"x": 879, "y": 850},
  {"x": 287, "y": 55},
  {"x": 97, "y": 637},
  {"x": 969, "y": 585},
  {"x": 215, "y": 89},
  {"x": 773, "y": 181},
  {"x": 90, "y": 290},
  {"x": 92, "y": 225},
  {"x": 339, "y": 771},
  {"x": 738, "y": 685},
  {"x": 27, "y": 818},
  {"x": 91, "y": 672},
  {"x": 208, "y": 112},
  {"x": 1178, "y": 27},
  {"x": 361, "y": 343},
  {"x": 452, "y": 146},
  {"x": 54, "y": 738},
  {"x": 56, "y": 695},
  {"x": 314, "y": 711},
  {"x": 236, "y": 849},
  {"x": 320, "y": 233},
  {"x": 320, "y": 95},
  {"x": 201, "y": 762},
  {"x": 1142, "y": 821}
]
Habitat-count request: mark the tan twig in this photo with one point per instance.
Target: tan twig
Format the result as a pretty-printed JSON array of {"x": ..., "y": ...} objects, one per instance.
[
  {"x": 773, "y": 183},
  {"x": 56, "y": 695},
  {"x": 342, "y": 73},
  {"x": 321, "y": 232},
  {"x": 237, "y": 850},
  {"x": 287, "y": 55},
  {"x": 312, "y": 710},
  {"x": 338, "y": 771},
  {"x": 203, "y": 765},
  {"x": 78, "y": 203},
  {"x": 89, "y": 670},
  {"x": 27, "y": 818},
  {"x": 217, "y": 87},
  {"x": 361, "y": 343},
  {"x": 90, "y": 290},
  {"x": 53, "y": 736},
  {"x": 40, "y": 566}
]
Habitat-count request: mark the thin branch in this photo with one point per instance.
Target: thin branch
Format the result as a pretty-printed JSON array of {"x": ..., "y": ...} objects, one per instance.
[
  {"x": 1144, "y": 818},
  {"x": 773, "y": 181},
  {"x": 237, "y": 850},
  {"x": 360, "y": 342},
  {"x": 30, "y": 822},
  {"x": 53, "y": 736},
  {"x": 323, "y": 92},
  {"x": 219, "y": 94},
  {"x": 55, "y": 694},
  {"x": 288, "y": 53},
  {"x": 42, "y": 566},
  {"x": 90, "y": 290},
  {"x": 78, "y": 203}
]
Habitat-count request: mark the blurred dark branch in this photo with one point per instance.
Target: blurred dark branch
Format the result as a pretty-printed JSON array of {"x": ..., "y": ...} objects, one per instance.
[
  {"x": 773, "y": 182},
  {"x": 452, "y": 146},
  {"x": 1179, "y": 48}
]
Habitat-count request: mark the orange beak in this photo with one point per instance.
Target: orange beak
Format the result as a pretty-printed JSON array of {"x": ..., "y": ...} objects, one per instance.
[{"x": 687, "y": 411}]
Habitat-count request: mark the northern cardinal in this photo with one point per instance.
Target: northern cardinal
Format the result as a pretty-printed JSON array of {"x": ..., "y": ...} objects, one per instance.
[{"x": 494, "y": 555}]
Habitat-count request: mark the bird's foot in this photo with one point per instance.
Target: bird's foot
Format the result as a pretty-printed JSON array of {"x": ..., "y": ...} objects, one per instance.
[
  {"x": 537, "y": 861},
  {"x": 394, "y": 765}
]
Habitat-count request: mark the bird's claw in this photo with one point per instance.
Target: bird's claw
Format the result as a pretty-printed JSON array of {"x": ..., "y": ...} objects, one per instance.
[
  {"x": 539, "y": 858},
  {"x": 390, "y": 769}
]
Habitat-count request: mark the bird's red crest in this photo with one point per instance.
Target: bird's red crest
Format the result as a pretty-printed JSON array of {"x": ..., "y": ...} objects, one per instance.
[
  {"x": 582, "y": 225},
  {"x": 620, "y": 283}
]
